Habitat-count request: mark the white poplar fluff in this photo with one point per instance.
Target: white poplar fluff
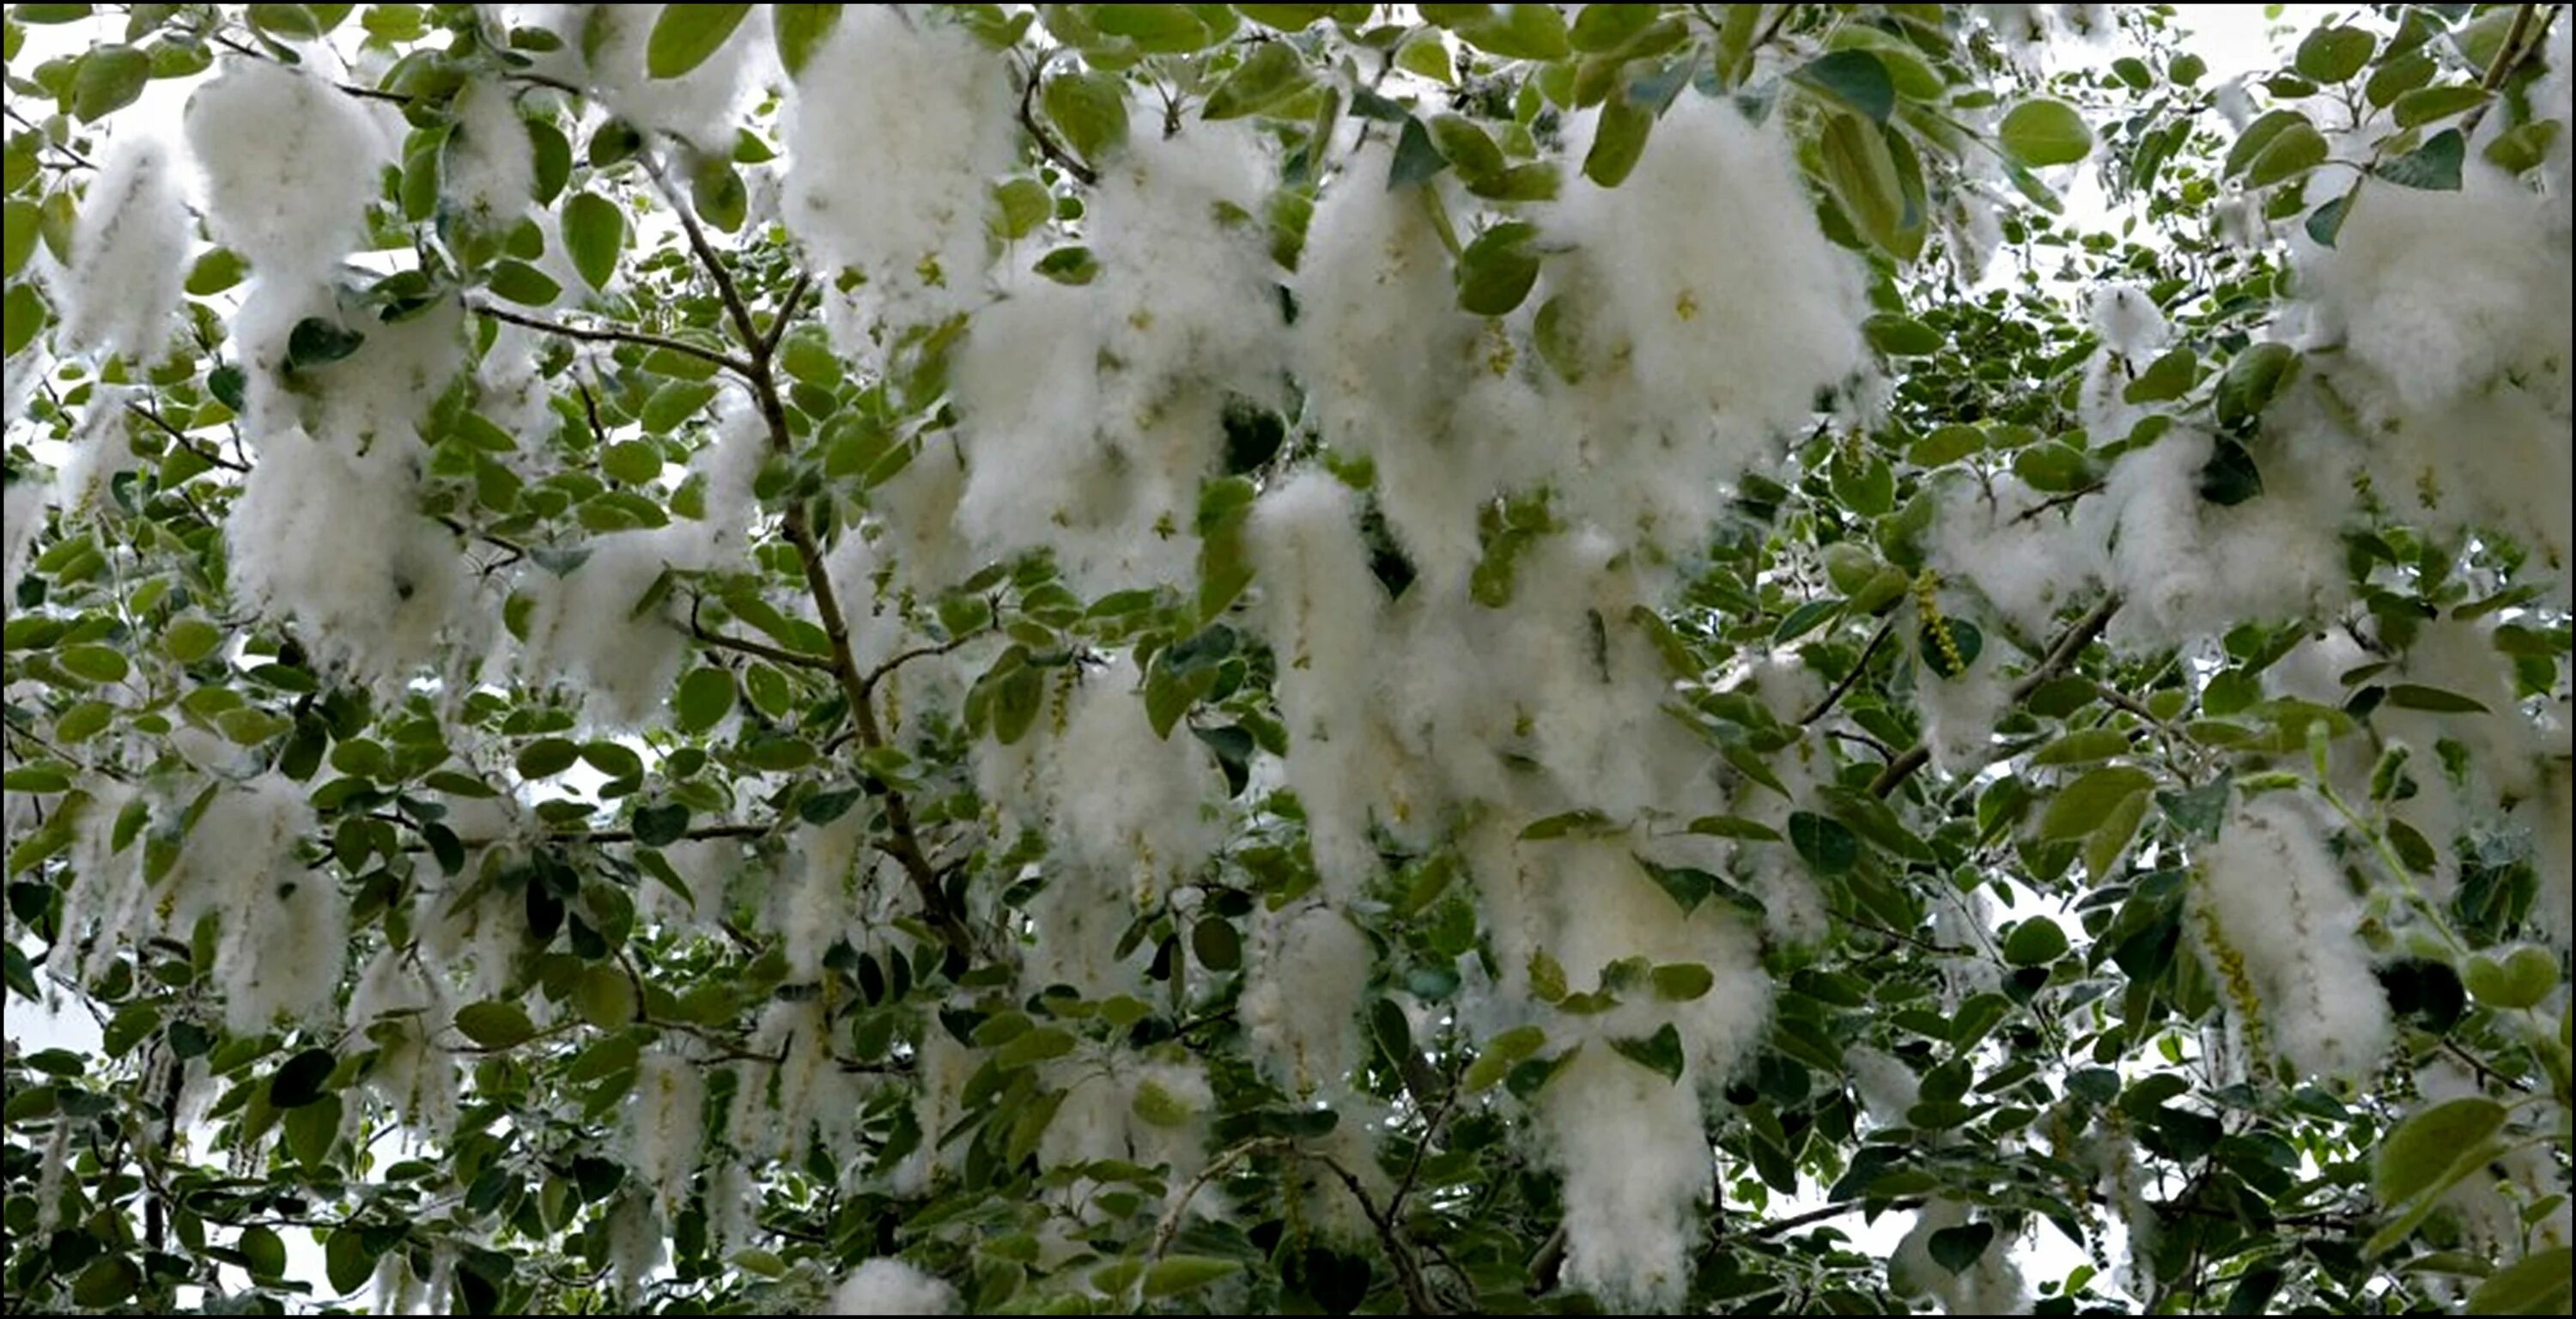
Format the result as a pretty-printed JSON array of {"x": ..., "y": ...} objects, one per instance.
[
  {"x": 2029, "y": 563},
  {"x": 890, "y": 1286},
  {"x": 2128, "y": 323},
  {"x": 107, "y": 890},
  {"x": 490, "y": 165},
  {"x": 662, "y": 1126},
  {"x": 811, "y": 904},
  {"x": 102, "y": 451},
  {"x": 1120, "y": 801},
  {"x": 894, "y": 133},
  {"x": 2285, "y": 907},
  {"x": 291, "y": 163},
  {"x": 129, "y": 254},
  {"x": 22, "y": 512},
  {"x": 1991, "y": 1285},
  {"x": 399, "y": 1007},
  {"x": 1717, "y": 307},
  {"x": 1308, "y": 970},
  {"x": 700, "y": 106},
  {"x": 2189, "y": 568},
  {"x": 1960, "y": 711},
  {"x": 1190, "y": 304},
  {"x": 1633, "y": 1150},
  {"x": 2455, "y": 322},
  {"x": 285, "y": 930},
  {"x": 1321, "y": 608}
]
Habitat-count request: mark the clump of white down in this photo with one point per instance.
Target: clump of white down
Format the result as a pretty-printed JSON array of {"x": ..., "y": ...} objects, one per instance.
[
  {"x": 583, "y": 625},
  {"x": 290, "y": 162},
  {"x": 894, "y": 134},
  {"x": 284, "y": 928},
  {"x": 699, "y": 106},
  {"x": 1990, "y": 1285},
  {"x": 107, "y": 895},
  {"x": 129, "y": 254},
  {"x": 1307, "y": 972},
  {"x": 346, "y": 454},
  {"x": 490, "y": 166},
  {"x": 889, "y": 1286},
  {"x": 2189, "y": 568},
  {"x": 2028, "y": 561},
  {"x": 2453, "y": 312},
  {"x": 1090, "y": 415},
  {"x": 2283, "y": 904},
  {"x": 400, "y": 1004},
  {"x": 1711, "y": 312},
  {"x": 662, "y": 1126}
]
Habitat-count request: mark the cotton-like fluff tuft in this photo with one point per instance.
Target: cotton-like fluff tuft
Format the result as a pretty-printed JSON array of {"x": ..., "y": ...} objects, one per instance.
[
  {"x": 101, "y": 451},
  {"x": 291, "y": 163},
  {"x": 943, "y": 1067},
  {"x": 1321, "y": 609},
  {"x": 106, "y": 899},
  {"x": 890, "y": 1286},
  {"x": 129, "y": 254},
  {"x": 490, "y": 163},
  {"x": 2453, "y": 310},
  {"x": 399, "y": 1006},
  {"x": 284, "y": 929},
  {"x": 1632, "y": 1148},
  {"x": 1308, "y": 971},
  {"x": 1990, "y": 1285},
  {"x": 2127, "y": 321},
  {"x": 1717, "y": 311},
  {"x": 22, "y": 513},
  {"x": 811, "y": 905},
  {"x": 1960, "y": 711},
  {"x": 1191, "y": 303},
  {"x": 1383, "y": 350},
  {"x": 2289, "y": 919},
  {"x": 334, "y": 539},
  {"x": 700, "y": 106},
  {"x": 2027, "y": 561},
  {"x": 2190, "y": 568},
  {"x": 1120, "y": 799},
  {"x": 1886, "y": 1086},
  {"x": 895, "y": 132},
  {"x": 662, "y": 1126}
]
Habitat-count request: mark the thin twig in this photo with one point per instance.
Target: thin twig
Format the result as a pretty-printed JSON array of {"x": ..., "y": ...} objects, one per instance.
[
  {"x": 1831, "y": 698},
  {"x": 1047, "y": 145},
  {"x": 727, "y": 361},
  {"x": 774, "y": 654},
  {"x": 2059, "y": 656},
  {"x": 207, "y": 452}
]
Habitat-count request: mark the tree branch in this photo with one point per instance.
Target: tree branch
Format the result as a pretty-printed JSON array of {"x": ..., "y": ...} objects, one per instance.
[
  {"x": 179, "y": 437},
  {"x": 774, "y": 654},
  {"x": 2059, "y": 656},
  {"x": 1047, "y": 145},
  {"x": 640, "y": 338},
  {"x": 1834, "y": 697}
]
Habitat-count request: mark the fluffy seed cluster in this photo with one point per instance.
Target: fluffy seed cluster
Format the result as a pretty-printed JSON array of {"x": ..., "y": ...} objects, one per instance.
[
  {"x": 291, "y": 164},
  {"x": 890, "y": 1286},
  {"x": 129, "y": 254},
  {"x": 2289, "y": 917}
]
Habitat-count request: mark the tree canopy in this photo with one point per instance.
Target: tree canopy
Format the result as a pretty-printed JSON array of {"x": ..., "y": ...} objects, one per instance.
[{"x": 1285, "y": 658}]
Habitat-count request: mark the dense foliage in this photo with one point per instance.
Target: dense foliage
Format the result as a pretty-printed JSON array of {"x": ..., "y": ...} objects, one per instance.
[{"x": 1309, "y": 658}]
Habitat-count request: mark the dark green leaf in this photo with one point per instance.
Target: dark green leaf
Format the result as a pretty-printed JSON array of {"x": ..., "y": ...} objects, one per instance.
[{"x": 686, "y": 36}]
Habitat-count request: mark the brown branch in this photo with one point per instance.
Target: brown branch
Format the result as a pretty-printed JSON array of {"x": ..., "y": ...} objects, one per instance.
[
  {"x": 774, "y": 654},
  {"x": 1408, "y": 1273},
  {"x": 640, "y": 338},
  {"x": 179, "y": 437},
  {"x": 2059, "y": 656},
  {"x": 2033, "y": 512},
  {"x": 726, "y": 289},
  {"x": 1834, "y": 697},
  {"x": 900, "y": 658},
  {"x": 1047, "y": 145},
  {"x": 785, "y": 315}
]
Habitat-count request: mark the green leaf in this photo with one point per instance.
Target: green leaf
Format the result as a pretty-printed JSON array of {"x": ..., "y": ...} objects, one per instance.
[
  {"x": 1959, "y": 1248},
  {"x": 1824, "y": 843},
  {"x": 1602, "y": 28},
  {"x": 1901, "y": 336},
  {"x": 1034, "y": 1046},
  {"x": 23, "y": 316},
  {"x": 2081, "y": 806},
  {"x": 1089, "y": 110},
  {"x": 2082, "y": 747},
  {"x": 2426, "y": 104},
  {"x": 2415, "y": 1156},
  {"x": 318, "y": 342},
  {"x": 2169, "y": 377},
  {"x": 2044, "y": 132},
  {"x": 1857, "y": 79},
  {"x": 110, "y": 78},
  {"x": 1218, "y": 947},
  {"x": 717, "y": 189},
  {"x": 109, "y": 1279},
  {"x": 1158, "y": 29},
  {"x": 674, "y": 403},
  {"x": 1174, "y": 1274},
  {"x": 1619, "y": 141},
  {"x": 604, "y": 997},
  {"x": 2036, "y": 941},
  {"x": 662, "y": 825},
  {"x": 686, "y": 36},
  {"x": 263, "y": 1251},
  {"x": 2333, "y": 54},
  {"x": 189, "y": 640},
  {"x": 2254, "y": 377},
  {"x": 1417, "y": 158},
  {"x": 704, "y": 698},
  {"x": 1660, "y": 1053},
  {"x": 594, "y": 234},
  {"x": 299, "y": 1080},
  {"x": 1949, "y": 647},
  {"x": 2432, "y": 167},
  {"x": 1585, "y": 823},
  {"x": 1514, "y": 32},
  {"x": 1502, "y": 1053},
  {"x": 1272, "y": 73},
  {"x": 1680, "y": 982},
  {"x": 347, "y": 1264},
  {"x": 2416, "y": 696},
  {"x": 546, "y": 757},
  {"x": 1860, "y": 169},
  {"x": 800, "y": 30},
  {"x": 2258, "y": 136},
  {"x": 524, "y": 284},
  {"x": 2535, "y": 1284},
  {"x": 96, "y": 663},
  {"x": 1497, "y": 270},
  {"x": 496, "y": 1023},
  {"x": 2293, "y": 151},
  {"x": 1285, "y": 18}
]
